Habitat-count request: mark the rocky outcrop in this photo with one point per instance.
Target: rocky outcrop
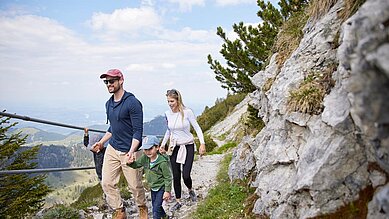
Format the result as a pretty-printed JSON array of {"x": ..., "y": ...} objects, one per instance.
[{"x": 311, "y": 165}]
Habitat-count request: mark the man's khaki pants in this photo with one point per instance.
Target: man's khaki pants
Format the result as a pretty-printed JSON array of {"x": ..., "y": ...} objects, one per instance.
[{"x": 114, "y": 164}]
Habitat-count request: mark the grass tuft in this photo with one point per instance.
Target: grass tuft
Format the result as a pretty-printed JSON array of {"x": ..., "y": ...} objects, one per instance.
[
  {"x": 318, "y": 8},
  {"x": 290, "y": 35},
  {"x": 308, "y": 98}
]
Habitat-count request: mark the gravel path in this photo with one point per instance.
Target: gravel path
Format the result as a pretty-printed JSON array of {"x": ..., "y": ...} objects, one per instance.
[
  {"x": 203, "y": 174},
  {"x": 204, "y": 177}
]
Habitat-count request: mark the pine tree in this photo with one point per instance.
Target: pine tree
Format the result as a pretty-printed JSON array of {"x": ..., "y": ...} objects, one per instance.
[
  {"x": 20, "y": 194},
  {"x": 249, "y": 53}
]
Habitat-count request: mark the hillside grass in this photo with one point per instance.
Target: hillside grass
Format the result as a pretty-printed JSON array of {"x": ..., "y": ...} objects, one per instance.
[
  {"x": 219, "y": 111},
  {"x": 70, "y": 186},
  {"x": 226, "y": 199}
]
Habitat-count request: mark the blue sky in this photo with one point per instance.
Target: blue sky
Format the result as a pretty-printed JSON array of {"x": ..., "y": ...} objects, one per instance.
[{"x": 52, "y": 52}]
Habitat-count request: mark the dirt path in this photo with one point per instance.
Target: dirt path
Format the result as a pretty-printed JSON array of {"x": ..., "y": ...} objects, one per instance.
[{"x": 203, "y": 174}]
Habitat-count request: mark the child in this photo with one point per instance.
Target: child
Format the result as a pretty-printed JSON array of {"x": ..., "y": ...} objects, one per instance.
[
  {"x": 158, "y": 174},
  {"x": 98, "y": 154}
]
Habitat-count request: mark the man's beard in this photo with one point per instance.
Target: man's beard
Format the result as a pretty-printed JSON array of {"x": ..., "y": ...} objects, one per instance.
[{"x": 115, "y": 89}]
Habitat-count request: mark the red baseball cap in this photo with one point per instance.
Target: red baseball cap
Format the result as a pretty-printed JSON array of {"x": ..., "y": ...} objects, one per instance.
[{"x": 113, "y": 73}]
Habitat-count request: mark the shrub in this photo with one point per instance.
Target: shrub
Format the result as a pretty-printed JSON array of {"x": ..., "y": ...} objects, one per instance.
[
  {"x": 89, "y": 197},
  {"x": 209, "y": 143},
  {"x": 61, "y": 212},
  {"x": 253, "y": 122}
]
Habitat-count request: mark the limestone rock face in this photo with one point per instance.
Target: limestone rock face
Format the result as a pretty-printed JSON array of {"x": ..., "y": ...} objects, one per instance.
[{"x": 310, "y": 165}]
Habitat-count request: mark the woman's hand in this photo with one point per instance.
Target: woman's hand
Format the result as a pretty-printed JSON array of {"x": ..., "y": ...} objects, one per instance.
[
  {"x": 162, "y": 149},
  {"x": 202, "y": 149}
]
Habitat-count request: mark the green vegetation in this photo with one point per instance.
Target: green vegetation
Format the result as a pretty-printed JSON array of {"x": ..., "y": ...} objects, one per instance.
[
  {"x": 20, "y": 194},
  {"x": 225, "y": 200},
  {"x": 309, "y": 96},
  {"x": 92, "y": 196},
  {"x": 249, "y": 54},
  {"x": 210, "y": 144},
  {"x": 253, "y": 123},
  {"x": 290, "y": 35},
  {"x": 219, "y": 111},
  {"x": 224, "y": 148},
  {"x": 61, "y": 212},
  {"x": 320, "y": 7}
]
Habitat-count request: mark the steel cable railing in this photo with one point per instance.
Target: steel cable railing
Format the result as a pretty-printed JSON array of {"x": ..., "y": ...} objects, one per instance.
[
  {"x": 26, "y": 118},
  {"x": 27, "y": 171}
]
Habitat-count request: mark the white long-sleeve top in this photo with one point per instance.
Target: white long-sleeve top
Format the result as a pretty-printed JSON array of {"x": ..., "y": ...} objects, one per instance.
[{"x": 179, "y": 128}]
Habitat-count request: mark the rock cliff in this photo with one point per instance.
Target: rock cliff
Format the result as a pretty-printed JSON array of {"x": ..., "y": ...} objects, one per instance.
[{"x": 308, "y": 165}]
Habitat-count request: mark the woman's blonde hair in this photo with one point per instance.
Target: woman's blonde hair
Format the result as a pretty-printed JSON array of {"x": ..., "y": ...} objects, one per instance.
[{"x": 175, "y": 94}]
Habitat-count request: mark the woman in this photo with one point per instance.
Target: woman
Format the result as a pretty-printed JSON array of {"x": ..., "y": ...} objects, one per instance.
[{"x": 181, "y": 145}]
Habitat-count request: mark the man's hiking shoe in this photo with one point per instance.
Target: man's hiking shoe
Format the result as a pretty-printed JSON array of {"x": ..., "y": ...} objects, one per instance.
[
  {"x": 143, "y": 212},
  {"x": 176, "y": 207},
  {"x": 120, "y": 214},
  {"x": 192, "y": 196}
]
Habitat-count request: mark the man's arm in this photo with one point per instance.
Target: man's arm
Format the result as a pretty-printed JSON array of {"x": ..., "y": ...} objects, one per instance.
[{"x": 136, "y": 114}]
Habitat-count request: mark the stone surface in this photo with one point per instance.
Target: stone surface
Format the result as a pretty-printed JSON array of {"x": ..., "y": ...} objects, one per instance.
[{"x": 323, "y": 161}]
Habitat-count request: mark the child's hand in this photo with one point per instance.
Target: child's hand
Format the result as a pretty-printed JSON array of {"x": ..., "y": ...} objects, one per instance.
[{"x": 166, "y": 196}]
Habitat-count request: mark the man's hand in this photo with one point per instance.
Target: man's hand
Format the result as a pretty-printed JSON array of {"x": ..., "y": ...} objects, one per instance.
[
  {"x": 97, "y": 147},
  {"x": 131, "y": 159}
]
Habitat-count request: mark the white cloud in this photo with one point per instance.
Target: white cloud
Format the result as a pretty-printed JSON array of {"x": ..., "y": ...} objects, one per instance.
[
  {"x": 126, "y": 20},
  {"x": 187, "y": 34},
  {"x": 233, "y": 2},
  {"x": 139, "y": 68},
  {"x": 51, "y": 64},
  {"x": 186, "y": 5}
]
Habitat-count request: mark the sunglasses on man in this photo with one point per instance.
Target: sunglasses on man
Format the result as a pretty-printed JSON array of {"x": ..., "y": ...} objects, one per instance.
[{"x": 110, "y": 81}]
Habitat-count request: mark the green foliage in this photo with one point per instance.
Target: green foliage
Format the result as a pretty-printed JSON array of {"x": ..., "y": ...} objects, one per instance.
[
  {"x": 209, "y": 143},
  {"x": 61, "y": 212},
  {"x": 254, "y": 123},
  {"x": 224, "y": 148},
  {"x": 219, "y": 111},
  {"x": 20, "y": 194},
  {"x": 290, "y": 35},
  {"x": 89, "y": 197},
  {"x": 308, "y": 98},
  {"x": 225, "y": 200},
  {"x": 248, "y": 54}
]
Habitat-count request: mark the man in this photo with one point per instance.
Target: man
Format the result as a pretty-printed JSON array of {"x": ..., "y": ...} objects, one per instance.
[{"x": 125, "y": 115}]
